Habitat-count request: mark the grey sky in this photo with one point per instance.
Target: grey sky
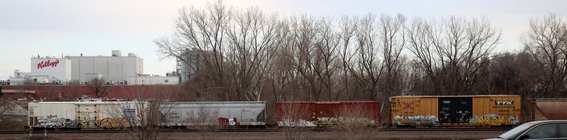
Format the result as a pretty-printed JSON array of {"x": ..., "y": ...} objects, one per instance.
[{"x": 95, "y": 27}]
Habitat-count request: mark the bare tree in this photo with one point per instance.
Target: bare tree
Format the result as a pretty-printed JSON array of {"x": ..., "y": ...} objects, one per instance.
[
  {"x": 547, "y": 43},
  {"x": 52, "y": 93},
  {"x": 253, "y": 39},
  {"x": 514, "y": 73},
  {"x": 393, "y": 41},
  {"x": 314, "y": 44},
  {"x": 198, "y": 89},
  {"x": 452, "y": 53},
  {"x": 348, "y": 26},
  {"x": 283, "y": 76},
  {"x": 417, "y": 81},
  {"x": 244, "y": 54},
  {"x": 72, "y": 91},
  {"x": 98, "y": 87},
  {"x": 280, "y": 79},
  {"x": 367, "y": 69},
  {"x": 371, "y": 57},
  {"x": 202, "y": 30},
  {"x": 511, "y": 73}
]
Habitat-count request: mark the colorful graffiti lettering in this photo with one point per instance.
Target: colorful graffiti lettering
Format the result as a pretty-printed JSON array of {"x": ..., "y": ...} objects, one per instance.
[
  {"x": 493, "y": 120},
  {"x": 52, "y": 121},
  {"x": 112, "y": 123},
  {"x": 419, "y": 120},
  {"x": 479, "y": 120}
]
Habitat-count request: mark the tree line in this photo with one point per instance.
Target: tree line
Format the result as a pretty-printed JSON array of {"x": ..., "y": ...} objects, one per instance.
[{"x": 246, "y": 54}]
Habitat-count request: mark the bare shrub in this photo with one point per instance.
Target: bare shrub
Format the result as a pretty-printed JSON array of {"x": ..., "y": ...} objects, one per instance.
[
  {"x": 293, "y": 119},
  {"x": 355, "y": 123}
]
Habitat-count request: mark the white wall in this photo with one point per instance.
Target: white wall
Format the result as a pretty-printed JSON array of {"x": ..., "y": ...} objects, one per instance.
[
  {"x": 116, "y": 69},
  {"x": 59, "y": 68}
]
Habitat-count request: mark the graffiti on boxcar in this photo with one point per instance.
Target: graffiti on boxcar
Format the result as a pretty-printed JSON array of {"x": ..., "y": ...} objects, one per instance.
[
  {"x": 287, "y": 122},
  {"x": 493, "y": 120},
  {"x": 113, "y": 123},
  {"x": 53, "y": 121},
  {"x": 407, "y": 105},
  {"x": 325, "y": 121},
  {"x": 418, "y": 120}
]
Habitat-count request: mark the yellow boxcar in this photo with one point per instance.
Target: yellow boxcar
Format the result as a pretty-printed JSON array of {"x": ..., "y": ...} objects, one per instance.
[{"x": 472, "y": 110}]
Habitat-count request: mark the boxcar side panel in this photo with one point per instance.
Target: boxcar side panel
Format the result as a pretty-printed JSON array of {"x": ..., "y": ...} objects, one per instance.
[
  {"x": 78, "y": 114},
  {"x": 211, "y": 113},
  {"x": 495, "y": 110},
  {"x": 326, "y": 113},
  {"x": 302, "y": 110},
  {"x": 414, "y": 111},
  {"x": 50, "y": 115},
  {"x": 336, "y": 109},
  {"x": 113, "y": 115},
  {"x": 307, "y": 113}
]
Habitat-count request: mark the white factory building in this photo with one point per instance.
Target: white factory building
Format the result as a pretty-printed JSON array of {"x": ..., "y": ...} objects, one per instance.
[{"x": 114, "y": 69}]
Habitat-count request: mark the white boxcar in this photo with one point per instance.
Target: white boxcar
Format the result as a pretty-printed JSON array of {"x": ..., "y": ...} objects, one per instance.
[
  {"x": 82, "y": 114},
  {"x": 237, "y": 113}
]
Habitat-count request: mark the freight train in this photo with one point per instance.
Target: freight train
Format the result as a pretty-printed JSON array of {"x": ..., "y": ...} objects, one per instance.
[{"x": 412, "y": 111}]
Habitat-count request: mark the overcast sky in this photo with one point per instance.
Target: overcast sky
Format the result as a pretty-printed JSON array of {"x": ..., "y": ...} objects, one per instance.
[{"x": 95, "y": 27}]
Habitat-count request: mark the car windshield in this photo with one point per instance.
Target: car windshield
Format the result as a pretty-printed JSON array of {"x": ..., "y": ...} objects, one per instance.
[{"x": 516, "y": 131}]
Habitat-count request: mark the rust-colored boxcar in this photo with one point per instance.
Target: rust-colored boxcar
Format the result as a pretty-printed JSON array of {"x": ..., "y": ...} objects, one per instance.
[
  {"x": 472, "y": 110},
  {"x": 549, "y": 109},
  {"x": 311, "y": 113}
]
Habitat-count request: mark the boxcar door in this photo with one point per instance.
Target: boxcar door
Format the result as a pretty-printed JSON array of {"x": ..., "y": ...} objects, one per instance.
[
  {"x": 455, "y": 109},
  {"x": 87, "y": 115}
]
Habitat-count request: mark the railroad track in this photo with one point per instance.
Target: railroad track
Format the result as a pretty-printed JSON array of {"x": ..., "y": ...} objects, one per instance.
[
  {"x": 62, "y": 131},
  {"x": 449, "y": 129}
]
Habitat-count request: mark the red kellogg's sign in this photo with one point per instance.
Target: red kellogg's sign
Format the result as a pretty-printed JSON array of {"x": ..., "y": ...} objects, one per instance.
[{"x": 47, "y": 63}]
